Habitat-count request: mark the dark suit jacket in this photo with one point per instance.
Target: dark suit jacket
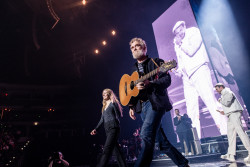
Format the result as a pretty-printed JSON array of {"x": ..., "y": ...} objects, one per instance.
[
  {"x": 110, "y": 118},
  {"x": 180, "y": 124},
  {"x": 188, "y": 123}
]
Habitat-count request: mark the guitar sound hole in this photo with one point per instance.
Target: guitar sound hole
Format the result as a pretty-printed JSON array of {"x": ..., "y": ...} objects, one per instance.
[
  {"x": 125, "y": 88},
  {"x": 132, "y": 85}
]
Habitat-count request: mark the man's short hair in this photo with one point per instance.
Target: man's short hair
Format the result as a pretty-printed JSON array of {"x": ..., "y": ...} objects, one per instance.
[
  {"x": 142, "y": 43},
  {"x": 176, "y": 109},
  {"x": 219, "y": 85},
  {"x": 178, "y": 24}
]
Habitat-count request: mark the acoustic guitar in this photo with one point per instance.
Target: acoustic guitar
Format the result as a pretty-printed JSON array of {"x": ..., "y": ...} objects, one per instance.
[{"x": 127, "y": 86}]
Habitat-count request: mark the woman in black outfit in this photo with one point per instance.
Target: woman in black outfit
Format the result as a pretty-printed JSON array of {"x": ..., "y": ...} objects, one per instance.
[{"x": 111, "y": 111}]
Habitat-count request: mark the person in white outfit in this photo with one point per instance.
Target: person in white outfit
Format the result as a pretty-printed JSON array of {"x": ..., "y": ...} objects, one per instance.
[
  {"x": 194, "y": 70},
  {"x": 232, "y": 109}
]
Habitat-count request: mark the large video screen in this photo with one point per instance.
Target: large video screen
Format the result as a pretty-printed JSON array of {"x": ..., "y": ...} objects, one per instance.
[{"x": 192, "y": 90}]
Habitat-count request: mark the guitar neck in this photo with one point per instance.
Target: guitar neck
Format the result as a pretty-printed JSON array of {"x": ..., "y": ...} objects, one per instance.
[{"x": 148, "y": 75}]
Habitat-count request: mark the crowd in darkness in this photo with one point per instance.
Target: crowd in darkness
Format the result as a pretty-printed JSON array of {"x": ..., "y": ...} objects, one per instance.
[{"x": 8, "y": 141}]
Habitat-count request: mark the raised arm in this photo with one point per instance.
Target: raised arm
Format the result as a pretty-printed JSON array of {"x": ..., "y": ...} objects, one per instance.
[
  {"x": 65, "y": 163},
  {"x": 177, "y": 121},
  {"x": 193, "y": 44}
]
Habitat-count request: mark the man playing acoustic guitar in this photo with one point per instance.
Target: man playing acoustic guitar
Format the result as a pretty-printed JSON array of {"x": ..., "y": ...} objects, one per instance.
[{"x": 151, "y": 103}]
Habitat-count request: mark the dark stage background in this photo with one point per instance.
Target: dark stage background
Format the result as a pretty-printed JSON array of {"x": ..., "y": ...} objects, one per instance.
[{"x": 53, "y": 76}]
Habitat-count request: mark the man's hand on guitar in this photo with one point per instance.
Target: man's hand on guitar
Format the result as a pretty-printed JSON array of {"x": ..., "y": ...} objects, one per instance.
[
  {"x": 132, "y": 113},
  {"x": 142, "y": 85}
]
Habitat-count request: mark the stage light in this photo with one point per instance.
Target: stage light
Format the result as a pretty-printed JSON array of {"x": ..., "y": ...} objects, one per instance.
[
  {"x": 50, "y": 110},
  {"x": 84, "y": 2},
  {"x": 35, "y": 123},
  {"x": 228, "y": 32},
  {"x": 113, "y": 32},
  {"x": 96, "y": 51},
  {"x": 104, "y": 43}
]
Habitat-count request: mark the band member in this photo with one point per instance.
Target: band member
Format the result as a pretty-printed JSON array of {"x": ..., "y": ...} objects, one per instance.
[
  {"x": 111, "y": 111},
  {"x": 190, "y": 135},
  {"x": 182, "y": 131},
  {"x": 152, "y": 102},
  {"x": 232, "y": 109}
]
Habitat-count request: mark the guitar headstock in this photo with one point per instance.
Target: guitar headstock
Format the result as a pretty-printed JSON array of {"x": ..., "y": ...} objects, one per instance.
[{"x": 168, "y": 65}]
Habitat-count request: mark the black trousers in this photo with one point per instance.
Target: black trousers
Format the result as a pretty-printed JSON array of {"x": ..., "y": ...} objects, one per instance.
[
  {"x": 183, "y": 136},
  {"x": 191, "y": 139},
  {"x": 170, "y": 150},
  {"x": 112, "y": 146}
]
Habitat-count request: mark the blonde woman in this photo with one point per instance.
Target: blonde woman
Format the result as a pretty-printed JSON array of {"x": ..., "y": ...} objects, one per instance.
[{"x": 111, "y": 111}]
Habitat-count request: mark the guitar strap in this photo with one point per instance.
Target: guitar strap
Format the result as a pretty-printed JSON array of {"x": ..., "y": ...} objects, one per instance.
[
  {"x": 154, "y": 62},
  {"x": 157, "y": 76}
]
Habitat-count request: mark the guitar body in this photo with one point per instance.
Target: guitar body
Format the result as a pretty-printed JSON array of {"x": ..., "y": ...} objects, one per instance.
[{"x": 127, "y": 88}]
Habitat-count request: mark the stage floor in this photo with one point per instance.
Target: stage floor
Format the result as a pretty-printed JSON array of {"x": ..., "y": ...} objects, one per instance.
[
  {"x": 203, "y": 160},
  {"x": 238, "y": 163},
  {"x": 211, "y": 160},
  {"x": 223, "y": 163}
]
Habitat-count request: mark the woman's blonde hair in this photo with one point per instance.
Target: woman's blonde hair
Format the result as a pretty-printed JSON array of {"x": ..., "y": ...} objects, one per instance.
[{"x": 113, "y": 99}]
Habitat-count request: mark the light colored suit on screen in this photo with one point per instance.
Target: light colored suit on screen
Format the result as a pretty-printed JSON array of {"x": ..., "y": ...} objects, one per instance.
[{"x": 197, "y": 79}]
